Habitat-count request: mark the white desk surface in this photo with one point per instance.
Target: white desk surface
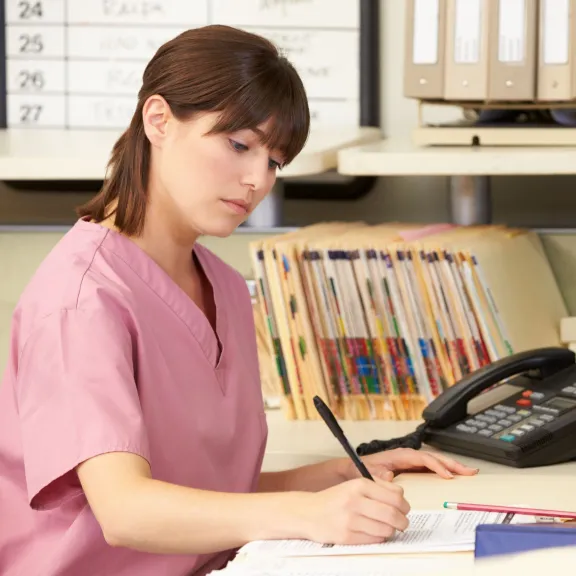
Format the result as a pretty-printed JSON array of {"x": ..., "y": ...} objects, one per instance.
[
  {"x": 82, "y": 155},
  {"x": 296, "y": 443},
  {"x": 400, "y": 157}
]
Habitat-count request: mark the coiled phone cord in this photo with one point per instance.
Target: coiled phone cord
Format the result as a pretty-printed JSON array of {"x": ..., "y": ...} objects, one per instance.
[{"x": 413, "y": 440}]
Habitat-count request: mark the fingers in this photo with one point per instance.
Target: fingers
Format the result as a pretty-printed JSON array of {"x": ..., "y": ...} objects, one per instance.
[
  {"x": 387, "y": 493},
  {"x": 442, "y": 465},
  {"x": 383, "y": 514},
  {"x": 373, "y": 529},
  {"x": 437, "y": 465},
  {"x": 383, "y": 474},
  {"x": 457, "y": 467}
]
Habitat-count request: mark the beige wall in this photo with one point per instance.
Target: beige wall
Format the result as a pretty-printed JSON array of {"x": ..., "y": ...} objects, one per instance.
[{"x": 535, "y": 201}]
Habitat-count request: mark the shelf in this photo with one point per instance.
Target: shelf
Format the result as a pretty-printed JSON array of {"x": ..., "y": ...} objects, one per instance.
[
  {"x": 403, "y": 158},
  {"x": 469, "y": 168},
  {"x": 82, "y": 155}
]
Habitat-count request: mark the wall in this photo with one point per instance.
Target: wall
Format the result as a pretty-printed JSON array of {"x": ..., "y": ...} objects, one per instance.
[{"x": 516, "y": 201}]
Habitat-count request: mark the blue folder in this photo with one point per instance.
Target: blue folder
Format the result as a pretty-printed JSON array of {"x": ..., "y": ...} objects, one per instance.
[{"x": 498, "y": 539}]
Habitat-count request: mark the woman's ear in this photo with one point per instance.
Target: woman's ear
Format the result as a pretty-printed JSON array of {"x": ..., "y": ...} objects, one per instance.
[{"x": 155, "y": 115}]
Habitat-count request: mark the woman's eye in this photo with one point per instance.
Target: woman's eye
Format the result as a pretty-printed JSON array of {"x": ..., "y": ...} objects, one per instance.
[
  {"x": 274, "y": 165},
  {"x": 237, "y": 146}
]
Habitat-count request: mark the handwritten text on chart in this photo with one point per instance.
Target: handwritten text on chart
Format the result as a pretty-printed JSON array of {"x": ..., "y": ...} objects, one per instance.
[{"x": 80, "y": 62}]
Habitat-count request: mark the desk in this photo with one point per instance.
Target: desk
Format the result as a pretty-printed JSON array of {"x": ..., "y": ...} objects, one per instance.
[
  {"x": 299, "y": 442},
  {"x": 468, "y": 167},
  {"x": 296, "y": 443},
  {"x": 83, "y": 154}
]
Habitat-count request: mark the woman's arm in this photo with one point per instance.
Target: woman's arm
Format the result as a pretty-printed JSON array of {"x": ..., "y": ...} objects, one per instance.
[
  {"x": 310, "y": 478},
  {"x": 383, "y": 465},
  {"x": 136, "y": 511}
]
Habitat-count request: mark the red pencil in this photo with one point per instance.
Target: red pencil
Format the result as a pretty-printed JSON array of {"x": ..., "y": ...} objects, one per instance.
[{"x": 508, "y": 510}]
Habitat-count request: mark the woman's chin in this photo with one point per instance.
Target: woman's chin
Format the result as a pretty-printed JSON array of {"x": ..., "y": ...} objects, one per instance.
[{"x": 221, "y": 230}]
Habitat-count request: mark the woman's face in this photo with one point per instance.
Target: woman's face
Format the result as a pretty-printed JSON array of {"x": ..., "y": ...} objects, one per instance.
[{"x": 209, "y": 183}]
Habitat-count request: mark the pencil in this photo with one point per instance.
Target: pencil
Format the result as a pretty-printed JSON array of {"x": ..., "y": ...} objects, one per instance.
[{"x": 508, "y": 510}]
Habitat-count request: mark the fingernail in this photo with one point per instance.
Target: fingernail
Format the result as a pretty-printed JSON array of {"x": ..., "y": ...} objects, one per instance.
[
  {"x": 449, "y": 474},
  {"x": 476, "y": 470}
]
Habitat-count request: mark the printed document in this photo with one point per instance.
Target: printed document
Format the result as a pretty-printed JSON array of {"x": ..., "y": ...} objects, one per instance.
[{"x": 429, "y": 531}]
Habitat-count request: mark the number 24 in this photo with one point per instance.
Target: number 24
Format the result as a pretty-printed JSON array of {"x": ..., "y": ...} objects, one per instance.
[{"x": 30, "y": 10}]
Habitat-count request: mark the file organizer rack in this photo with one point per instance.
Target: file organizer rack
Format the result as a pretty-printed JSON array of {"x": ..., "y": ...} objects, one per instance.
[
  {"x": 470, "y": 133},
  {"x": 492, "y": 55},
  {"x": 379, "y": 320}
]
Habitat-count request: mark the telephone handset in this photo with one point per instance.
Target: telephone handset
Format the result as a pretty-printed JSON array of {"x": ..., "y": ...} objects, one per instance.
[{"x": 534, "y": 426}]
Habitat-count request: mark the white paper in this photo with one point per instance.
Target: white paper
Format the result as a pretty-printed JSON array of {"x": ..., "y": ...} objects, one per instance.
[
  {"x": 346, "y": 566},
  {"x": 511, "y": 31},
  {"x": 429, "y": 531},
  {"x": 425, "y": 40},
  {"x": 555, "y": 31},
  {"x": 467, "y": 31}
]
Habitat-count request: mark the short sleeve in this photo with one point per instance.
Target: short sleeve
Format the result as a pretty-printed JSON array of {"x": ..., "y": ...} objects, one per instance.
[{"x": 77, "y": 398}]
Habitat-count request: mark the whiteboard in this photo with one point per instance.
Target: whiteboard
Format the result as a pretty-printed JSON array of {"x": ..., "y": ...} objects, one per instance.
[{"x": 79, "y": 63}]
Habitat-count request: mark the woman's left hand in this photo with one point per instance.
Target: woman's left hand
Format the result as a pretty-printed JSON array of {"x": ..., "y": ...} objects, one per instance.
[{"x": 386, "y": 464}]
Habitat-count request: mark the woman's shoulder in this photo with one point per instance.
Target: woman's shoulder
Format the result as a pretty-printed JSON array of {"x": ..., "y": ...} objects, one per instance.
[{"x": 69, "y": 273}]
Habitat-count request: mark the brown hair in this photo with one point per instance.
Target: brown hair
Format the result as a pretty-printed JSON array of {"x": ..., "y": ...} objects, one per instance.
[{"x": 209, "y": 69}]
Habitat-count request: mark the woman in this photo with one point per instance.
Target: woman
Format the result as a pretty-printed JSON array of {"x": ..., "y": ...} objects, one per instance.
[{"x": 131, "y": 409}]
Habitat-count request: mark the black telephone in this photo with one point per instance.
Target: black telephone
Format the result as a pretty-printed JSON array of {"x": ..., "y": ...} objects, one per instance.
[{"x": 535, "y": 426}]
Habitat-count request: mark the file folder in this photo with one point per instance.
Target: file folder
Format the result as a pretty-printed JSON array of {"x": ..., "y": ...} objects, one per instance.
[
  {"x": 467, "y": 49},
  {"x": 425, "y": 37},
  {"x": 556, "y": 59},
  {"x": 513, "y": 50},
  {"x": 502, "y": 539}
]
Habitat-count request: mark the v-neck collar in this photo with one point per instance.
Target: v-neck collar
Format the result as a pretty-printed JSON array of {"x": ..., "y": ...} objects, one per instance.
[{"x": 158, "y": 280}]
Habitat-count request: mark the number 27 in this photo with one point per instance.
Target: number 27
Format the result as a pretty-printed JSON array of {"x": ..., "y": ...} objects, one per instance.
[{"x": 30, "y": 113}]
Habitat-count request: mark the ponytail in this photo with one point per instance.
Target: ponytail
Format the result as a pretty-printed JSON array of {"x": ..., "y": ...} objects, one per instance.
[{"x": 124, "y": 192}]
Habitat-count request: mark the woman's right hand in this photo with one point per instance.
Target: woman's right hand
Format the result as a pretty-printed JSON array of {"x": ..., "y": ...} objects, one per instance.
[{"x": 358, "y": 511}]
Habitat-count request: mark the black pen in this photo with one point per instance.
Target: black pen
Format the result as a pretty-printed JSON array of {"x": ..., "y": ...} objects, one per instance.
[{"x": 331, "y": 422}]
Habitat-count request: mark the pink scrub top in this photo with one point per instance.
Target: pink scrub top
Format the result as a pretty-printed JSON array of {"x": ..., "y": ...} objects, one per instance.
[{"x": 108, "y": 354}]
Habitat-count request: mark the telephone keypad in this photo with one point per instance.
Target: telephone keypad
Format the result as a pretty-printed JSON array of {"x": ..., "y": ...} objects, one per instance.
[
  {"x": 511, "y": 422},
  {"x": 496, "y": 422},
  {"x": 495, "y": 413},
  {"x": 464, "y": 428},
  {"x": 488, "y": 419},
  {"x": 476, "y": 423},
  {"x": 507, "y": 409}
]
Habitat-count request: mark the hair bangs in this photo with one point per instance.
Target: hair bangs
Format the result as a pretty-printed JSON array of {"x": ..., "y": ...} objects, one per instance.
[{"x": 278, "y": 98}]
